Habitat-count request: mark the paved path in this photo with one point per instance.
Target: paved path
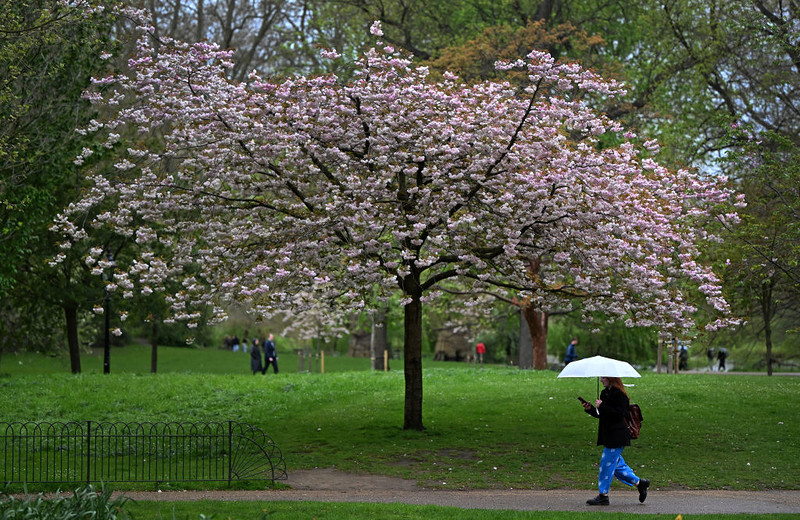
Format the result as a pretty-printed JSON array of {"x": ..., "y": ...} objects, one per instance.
[
  {"x": 658, "y": 502},
  {"x": 333, "y": 486}
]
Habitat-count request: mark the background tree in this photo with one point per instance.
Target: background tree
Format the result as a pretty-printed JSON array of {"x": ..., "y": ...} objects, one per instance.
[
  {"x": 732, "y": 68},
  {"x": 763, "y": 267},
  {"x": 717, "y": 63},
  {"x": 48, "y": 52},
  {"x": 271, "y": 36}
]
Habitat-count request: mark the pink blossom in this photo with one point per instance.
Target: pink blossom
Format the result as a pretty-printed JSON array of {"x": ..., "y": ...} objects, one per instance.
[{"x": 286, "y": 193}]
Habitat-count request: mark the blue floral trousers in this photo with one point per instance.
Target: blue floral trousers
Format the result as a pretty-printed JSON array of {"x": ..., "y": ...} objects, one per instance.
[{"x": 613, "y": 465}]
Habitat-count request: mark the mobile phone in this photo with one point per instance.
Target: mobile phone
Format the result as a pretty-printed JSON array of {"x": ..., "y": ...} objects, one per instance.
[{"x": 582, "y": 400}]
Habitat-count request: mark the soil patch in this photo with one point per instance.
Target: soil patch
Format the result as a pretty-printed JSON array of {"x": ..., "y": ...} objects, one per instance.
[{"x": 328, "y": 479}]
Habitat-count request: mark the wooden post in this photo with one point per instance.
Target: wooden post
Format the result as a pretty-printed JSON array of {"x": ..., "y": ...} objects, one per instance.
[
  {"x": 385, "y": 360},
  {"x": 372, "y": 345},
  {"x": 322, "y": 367},
  {"x": 668, "y": 347},
  {"x": 660, "y": 350}
]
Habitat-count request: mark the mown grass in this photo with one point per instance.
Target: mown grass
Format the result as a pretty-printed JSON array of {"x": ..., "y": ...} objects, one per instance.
[
  {"x": 494, "y": 427},
  {"x": 349, "y": 511},
  {"x": 136, "y": 359}
]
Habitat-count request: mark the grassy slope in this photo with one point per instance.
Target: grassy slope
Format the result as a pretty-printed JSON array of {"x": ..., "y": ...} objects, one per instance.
[{"x": 493, "y": 427}]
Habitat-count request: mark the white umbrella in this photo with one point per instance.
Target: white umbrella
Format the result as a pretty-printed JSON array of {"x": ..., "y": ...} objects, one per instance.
[{"x": 599, "y": 366}]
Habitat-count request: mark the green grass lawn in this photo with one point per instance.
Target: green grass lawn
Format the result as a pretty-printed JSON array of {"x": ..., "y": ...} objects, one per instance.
[
  {"x": 490, "y": 427},
  {"x": 136, "y": 359},
  {"x": 493, "y": 427},
  {"x": 348, "y": 511}
]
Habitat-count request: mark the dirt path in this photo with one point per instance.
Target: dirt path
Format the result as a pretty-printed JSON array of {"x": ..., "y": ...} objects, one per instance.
[{"x": 327, "y": 485}]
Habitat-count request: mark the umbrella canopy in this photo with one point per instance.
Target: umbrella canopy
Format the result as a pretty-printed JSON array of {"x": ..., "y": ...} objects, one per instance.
[{"x": 599, "y": 366}]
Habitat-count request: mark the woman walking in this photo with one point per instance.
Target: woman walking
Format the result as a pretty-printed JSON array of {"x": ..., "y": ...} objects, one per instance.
[
  {"x": 255, "y": 358},
  {"x": 612, "y": 433}
]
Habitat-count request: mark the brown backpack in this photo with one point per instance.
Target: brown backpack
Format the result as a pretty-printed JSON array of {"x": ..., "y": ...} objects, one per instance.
[{"x": 634, "y": 420}]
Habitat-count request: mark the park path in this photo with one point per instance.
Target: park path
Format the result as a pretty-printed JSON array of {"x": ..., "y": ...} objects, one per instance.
[{"x": 327, "y": 485}]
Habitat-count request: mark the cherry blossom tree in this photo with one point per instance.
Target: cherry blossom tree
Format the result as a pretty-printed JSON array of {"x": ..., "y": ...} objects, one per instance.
[{"x": 283, "y": 194}]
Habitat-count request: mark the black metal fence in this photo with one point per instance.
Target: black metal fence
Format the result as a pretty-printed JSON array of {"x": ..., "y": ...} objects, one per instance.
[{"x": 78, "y": 452}]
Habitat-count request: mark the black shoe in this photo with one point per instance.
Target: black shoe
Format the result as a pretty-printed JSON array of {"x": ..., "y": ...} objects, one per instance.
[
  {"x": 599, "y": 500},
  {"x": 642, "y": 487}
]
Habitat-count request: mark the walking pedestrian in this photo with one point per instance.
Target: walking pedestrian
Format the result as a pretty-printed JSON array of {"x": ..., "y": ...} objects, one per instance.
[
  {"x": 480, "y": 350},
  {"x": 722, "y": 355},
  {"x": 710, "y": 354},
  {"x": 255, "y": 358},
  {"x": 270, "y": 355},
  {"x": 612, "y": 433},
  {"x": 683, "y": 357},
  {"x": 572, "y": 353}
]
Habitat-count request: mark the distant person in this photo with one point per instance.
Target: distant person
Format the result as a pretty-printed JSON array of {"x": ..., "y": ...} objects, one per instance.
[
  {"x": 236, "y": 343},
  {"x": 270, "y": 355},
  {"x": 480, "y": 350},
  {"x": 244, "y": 345},
  {"x": 683, "y": 357},
  {"x": 612, "y": 433},
  {"x": 722, "y": 355},
  {"x": 255, "y": 358},
  {"x": 572, "y": 353},
  {"x": 710, "y": 354}
]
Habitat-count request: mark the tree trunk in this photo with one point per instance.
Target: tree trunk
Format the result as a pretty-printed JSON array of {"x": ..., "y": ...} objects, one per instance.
[
  {"x": 768, "y": 341},
  {"x": 379, "y": 341},
  {"x": 767, "y": 311},
  {"x": 660, "y": 352},
  {"x": 71, "y": 316},
  {"x": 537, "y": 324},
  {"x": 154, "y": 347},
  {"x": 412, "y": 362},
  {"x": 525, "y": 344}
]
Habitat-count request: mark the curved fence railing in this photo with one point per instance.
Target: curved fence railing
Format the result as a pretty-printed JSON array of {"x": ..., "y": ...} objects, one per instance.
[{"x": 73, "y": 452}]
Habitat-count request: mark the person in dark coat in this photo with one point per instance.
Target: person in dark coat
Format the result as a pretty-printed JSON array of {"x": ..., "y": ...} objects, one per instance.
[
  {"x": 270, "y": 355},
  {"x": 722, "y": 355},
  {"x": 255, "y": 358},
  {"x": 612, "y": 433},
  {"x": 683, "y": 357},
  {"x": 572, "y": 352}
]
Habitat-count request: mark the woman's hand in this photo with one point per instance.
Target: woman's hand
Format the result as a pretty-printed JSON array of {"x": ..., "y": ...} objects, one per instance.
[
  {"x": 587, "y": 406},
  {"x": 598, "y": 403}
]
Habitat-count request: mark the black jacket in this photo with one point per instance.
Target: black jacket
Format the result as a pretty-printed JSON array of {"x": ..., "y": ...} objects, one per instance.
[
  {"x": 612, "y": 431},
  {"x": 269, "y": 350},
  {"x": 255, "y": 358}
]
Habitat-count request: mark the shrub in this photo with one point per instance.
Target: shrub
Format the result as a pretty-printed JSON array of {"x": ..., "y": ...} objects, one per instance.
[{"x": 84, "y": 503}]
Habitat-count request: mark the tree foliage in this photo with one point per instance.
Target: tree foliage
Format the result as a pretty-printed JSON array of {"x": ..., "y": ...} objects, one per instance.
[
  {"x": 271, "y": 36},
  {"x": 48, "y": 52},
  {"x": 706, "y": 64},
  {"x": 731, "y": 71},
  {"x": 763, "y": 251},
  {"x": 49, "y": 49}
]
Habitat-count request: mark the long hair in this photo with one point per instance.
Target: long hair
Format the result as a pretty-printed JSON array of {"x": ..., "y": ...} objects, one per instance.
[{"x": 617, "y": 383}]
